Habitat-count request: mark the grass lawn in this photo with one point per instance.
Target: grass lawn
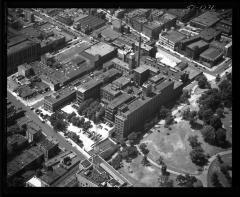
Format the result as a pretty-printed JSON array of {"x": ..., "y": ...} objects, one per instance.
[
  {"x": 174, "y": 147},
  {"x": 227, "y": 159},
  {"x": 142, "y": 176}
]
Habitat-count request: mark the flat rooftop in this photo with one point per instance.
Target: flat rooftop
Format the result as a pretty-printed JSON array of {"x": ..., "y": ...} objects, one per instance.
[
  {"x": 100, "y": 48},
  {"x": 199, "y": 44},
  {"x": 140, "y": 69},
  {"x": 211, "y": 53},
  {"x": 120, "y": 63},
  {"x": 119, "y": 100},
  {"x": 174, "y": 36},
  {"x": 209, "y": 33},
  {"x": 57, "y": 96},
  {"x": 110, "y": 33},
  {"x": 206, "y": 19},
  {"x": 89, "y": 85},
  {"x": 121, "y": 81}
]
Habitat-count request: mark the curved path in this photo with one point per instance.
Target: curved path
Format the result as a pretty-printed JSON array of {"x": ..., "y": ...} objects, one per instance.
[{"x": 204, "y": 173}]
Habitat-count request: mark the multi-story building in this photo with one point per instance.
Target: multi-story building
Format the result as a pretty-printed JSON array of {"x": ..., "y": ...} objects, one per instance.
[
  {"x": 113, "y": 90},
  {"x": 132, "y": 116},
  {"x": 171, "y": 39},
  {"x": 121, "y": 65},
  {"x": 21, "y": 50},
  {"x": 183, "y": 15},
  {"x": 193, "y": 50},
  {"x": 16, "y": 142},
  {"x": 205, "y": 20},
  {"x": 58, "y": 99},
  {"x": 183, "y": 43},
  {"x": 25, "y": 70},
  {"x": 31, "y": 158},
  {"x": 91, "y": 89},
  {"x": 105, "y": 52},
  {"x": 138, "y": 22},
  {"x": 210, "y": 34},
  {"x": 152, "y": 29},
  {"x": 141, "y": 75},
  {"x": 33, "y": 132},
  {"x": 113, "y": 106},
  {"x": 211, "y": 56},
  {"x": 49, "y": 148}
]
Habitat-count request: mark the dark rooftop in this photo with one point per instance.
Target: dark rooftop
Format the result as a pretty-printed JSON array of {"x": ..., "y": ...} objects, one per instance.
[
  {"x": 211, "y": 53},
  {"x": 207, "y": 19}
]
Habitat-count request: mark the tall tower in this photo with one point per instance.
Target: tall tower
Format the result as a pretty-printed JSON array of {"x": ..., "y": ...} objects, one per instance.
[{"x": 139, "y": 51}]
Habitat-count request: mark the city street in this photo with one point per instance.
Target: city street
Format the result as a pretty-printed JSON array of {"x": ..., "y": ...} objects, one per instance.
[{"x": 45, "y": 128}]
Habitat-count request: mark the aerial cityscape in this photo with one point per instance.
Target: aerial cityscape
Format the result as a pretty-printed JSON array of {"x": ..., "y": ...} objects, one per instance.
[{"x": 104, "y": 97}]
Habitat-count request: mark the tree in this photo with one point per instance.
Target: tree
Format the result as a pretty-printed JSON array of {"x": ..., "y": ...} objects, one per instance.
[
  {"x": 169, "y": 120},
  {"x": 164, "y": 181},
  {"x": 160, "y": 161},
  {"x": 202, "y": 82},
  {"x": 221, "y": 136},
  {"x": 219, "y": 158},
  {"x": 193, "y": 140},
  {"x": 186, "y": 180},
  {"x": 209, "y": 135},
  {"x": 205, "y": 114},
  {"x": 215, "y": 122},
  {"x": 38, "y": 173},
  {"x": 220, "y": 112},
  {"x": 198, "y": 157},
  {"x": 217, "y": 78},
  {"x": 145, "y": 161},
  {"x": 143, "y": 148},
  {"x": 215, "y": 180},
  {"x": 116, "y": 162},
  {"x": 60, "y": 126},
  {"x": 163, "y": 112}
]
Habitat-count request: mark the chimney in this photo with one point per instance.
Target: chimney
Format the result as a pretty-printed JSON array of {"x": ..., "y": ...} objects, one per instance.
[{"x": 139, "y": 51}]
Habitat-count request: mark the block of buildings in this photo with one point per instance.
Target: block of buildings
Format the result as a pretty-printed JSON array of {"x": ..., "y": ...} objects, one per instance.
[
  {"x": 113, "y": 90},
  {"x": 58, "y": 99},
  {"x": 211, "y": 56},
  {"x": 105, "y": 52},
  {"x": 90, "y": 23},
  {"x": 152, "y": 29},
  {"x": 91, "y": 89},
  {"x": 225, "y": 26},
  {"x": 16, "y": 142},
  {"x": 168, "y": 20},
  {"x": 96, "y": 172},
  {"x": 30, "y": 158},
  {"x": 21, "y": 50},
  {"x": 138, "y": 22},
  {"x": 184, "y": 15},
  {"x": 171, "y": 39},
  {"x": 210, "y": 34},
  {"x": 183, "y": 43},
  {"x": 205, "y": 20},
  {"x": 193, "y": 50}
]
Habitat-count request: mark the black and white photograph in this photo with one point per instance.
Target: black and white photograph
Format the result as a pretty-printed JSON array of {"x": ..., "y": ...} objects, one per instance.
[{"x": 119, "y": 97}]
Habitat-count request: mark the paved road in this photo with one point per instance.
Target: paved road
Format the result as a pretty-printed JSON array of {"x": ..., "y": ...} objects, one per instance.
[
  {"x": 45, "y": 127},
  {"x": 204, "y": 175}
]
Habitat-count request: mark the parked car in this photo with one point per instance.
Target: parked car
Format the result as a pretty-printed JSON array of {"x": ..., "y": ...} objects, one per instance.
[{"x": 32, "y": 108}]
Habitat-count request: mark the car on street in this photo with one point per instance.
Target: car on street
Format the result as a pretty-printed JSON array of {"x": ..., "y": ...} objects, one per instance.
[
  {"x": 32, "y": 108},
  {"x": 43, "y": 121}
]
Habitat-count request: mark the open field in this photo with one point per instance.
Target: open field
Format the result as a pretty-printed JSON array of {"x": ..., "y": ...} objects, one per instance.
[
  {"x": 142, "y": 176},
  {"x": 174, "y": 147}
]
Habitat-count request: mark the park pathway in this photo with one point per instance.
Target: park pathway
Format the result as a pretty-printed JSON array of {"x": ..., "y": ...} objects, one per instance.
[{"x": 204, "y": 173}]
